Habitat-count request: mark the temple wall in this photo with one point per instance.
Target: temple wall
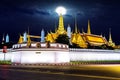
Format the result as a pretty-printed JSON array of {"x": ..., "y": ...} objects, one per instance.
[
  {"x": 93, "y": 55},
  {"x": 40, "y": 57},
  {"x": 6, "y": 56},
  {"x": 60, "y": 56}
]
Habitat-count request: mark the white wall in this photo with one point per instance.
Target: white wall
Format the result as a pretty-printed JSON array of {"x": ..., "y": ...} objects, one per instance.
[
  {"x": 40, "y": 57},
  {"x": 90, "y": 55},
  {"x": 6, "y": 56},
  {"x": 60, "y": 56}
]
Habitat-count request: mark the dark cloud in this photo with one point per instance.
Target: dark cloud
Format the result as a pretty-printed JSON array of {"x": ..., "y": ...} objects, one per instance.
[
  {"x": 68, "y": 15},
  {"x": 42, "y": 12}
]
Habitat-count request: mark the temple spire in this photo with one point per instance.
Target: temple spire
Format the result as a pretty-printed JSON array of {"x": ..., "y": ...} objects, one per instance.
[
  {"x": 69, "y": 31},
  {"x": 88, "y": 30},
  {"x": 3, "y": 40},
  {"x": 111, "y": 43},
  {"x": 76, "y": 30},
  {"x": 110, "y": 37},
  {"x": 42, "y": 35},
  {"x": 7, "y": 38},
  {"x": 25, "y": 37},
  {"x": 61, "y": 25}
]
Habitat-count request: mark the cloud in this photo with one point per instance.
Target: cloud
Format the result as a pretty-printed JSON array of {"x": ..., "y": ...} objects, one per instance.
[
  {"x": 80, "y": 13},
  {"x": 42, "y": 12},
  {"x": 22, "y": 10},
  {"x": 68, "y": 15}
]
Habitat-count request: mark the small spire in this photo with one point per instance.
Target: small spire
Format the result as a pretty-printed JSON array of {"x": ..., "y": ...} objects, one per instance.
[
  {"x": 110, "y": 37},
  {"x": 7, "y": 38},
  {"x": 25, "y": 35},
  {"x": 76, "y": 31},
  {"x": 69, "y": 31},
  {"x": 3, "y": 40},
  {"x": 42, "y": 35},
  {"x": 88, "y": 31}
]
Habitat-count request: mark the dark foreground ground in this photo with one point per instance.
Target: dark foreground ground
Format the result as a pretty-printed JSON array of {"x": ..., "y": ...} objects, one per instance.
[{"x": 82, "y": 72}]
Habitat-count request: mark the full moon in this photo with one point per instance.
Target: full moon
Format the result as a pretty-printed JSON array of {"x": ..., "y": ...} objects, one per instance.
[{"x": 61, "y": 10}]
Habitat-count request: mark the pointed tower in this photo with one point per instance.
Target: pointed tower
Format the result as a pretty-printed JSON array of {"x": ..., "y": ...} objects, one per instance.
[
  {"x": 110, "y": 39},
  {"x": 28, "y": 38},
  {"x": 3, "y": 40},
  {"x": 7, "y": 38},
  {"x": 61, "y": 29},
  {"x": 42, "y": 35},
  {"x": 69, "y": 31},
  {"x": 76, "y": 30},
  {"x": 88, "y": 30},
  {"x": 25, "y": 37}
]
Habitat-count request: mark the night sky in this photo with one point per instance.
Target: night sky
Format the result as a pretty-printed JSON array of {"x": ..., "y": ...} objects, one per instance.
[{"x": 17, "y": 15}]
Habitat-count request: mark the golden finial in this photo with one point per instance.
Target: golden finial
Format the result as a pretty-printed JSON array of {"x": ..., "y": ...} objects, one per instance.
[{"x": 88, "y": 31}]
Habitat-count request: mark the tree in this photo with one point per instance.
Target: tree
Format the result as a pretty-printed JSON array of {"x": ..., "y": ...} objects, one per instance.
[{"x": 62, "y": 38}]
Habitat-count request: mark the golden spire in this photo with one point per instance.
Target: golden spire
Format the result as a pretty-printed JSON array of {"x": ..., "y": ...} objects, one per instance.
[
  {"x": 111, "y": 43},
  {"x": 20, "y": 39},
  {"x": 61, "y": 25},
  {"x": 76, "y": 31},
  {"x": 88, "y": 31},
  {"x": 28, "y": 37},
  {"x": 110, "y": 37},
  {"x": 29, "y": 40}
]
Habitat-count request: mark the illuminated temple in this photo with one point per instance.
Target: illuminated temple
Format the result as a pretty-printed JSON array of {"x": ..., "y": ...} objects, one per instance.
[
  {"x": 81, "y": 39},
  {"x": 47, "y": 50}
]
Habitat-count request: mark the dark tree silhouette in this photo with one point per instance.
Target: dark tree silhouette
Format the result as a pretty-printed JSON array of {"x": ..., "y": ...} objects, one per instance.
[{"x": 63, "y": 38}]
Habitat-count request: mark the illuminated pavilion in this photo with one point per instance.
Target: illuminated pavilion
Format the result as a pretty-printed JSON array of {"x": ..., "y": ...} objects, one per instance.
[{"x": 81, "y": 39}]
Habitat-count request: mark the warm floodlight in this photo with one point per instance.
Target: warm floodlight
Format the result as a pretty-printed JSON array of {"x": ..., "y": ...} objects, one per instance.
[{"x": 61, "y": 10}]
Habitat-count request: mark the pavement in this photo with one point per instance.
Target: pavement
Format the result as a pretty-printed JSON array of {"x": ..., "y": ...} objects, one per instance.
[{"x": 102, "y": 71}]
